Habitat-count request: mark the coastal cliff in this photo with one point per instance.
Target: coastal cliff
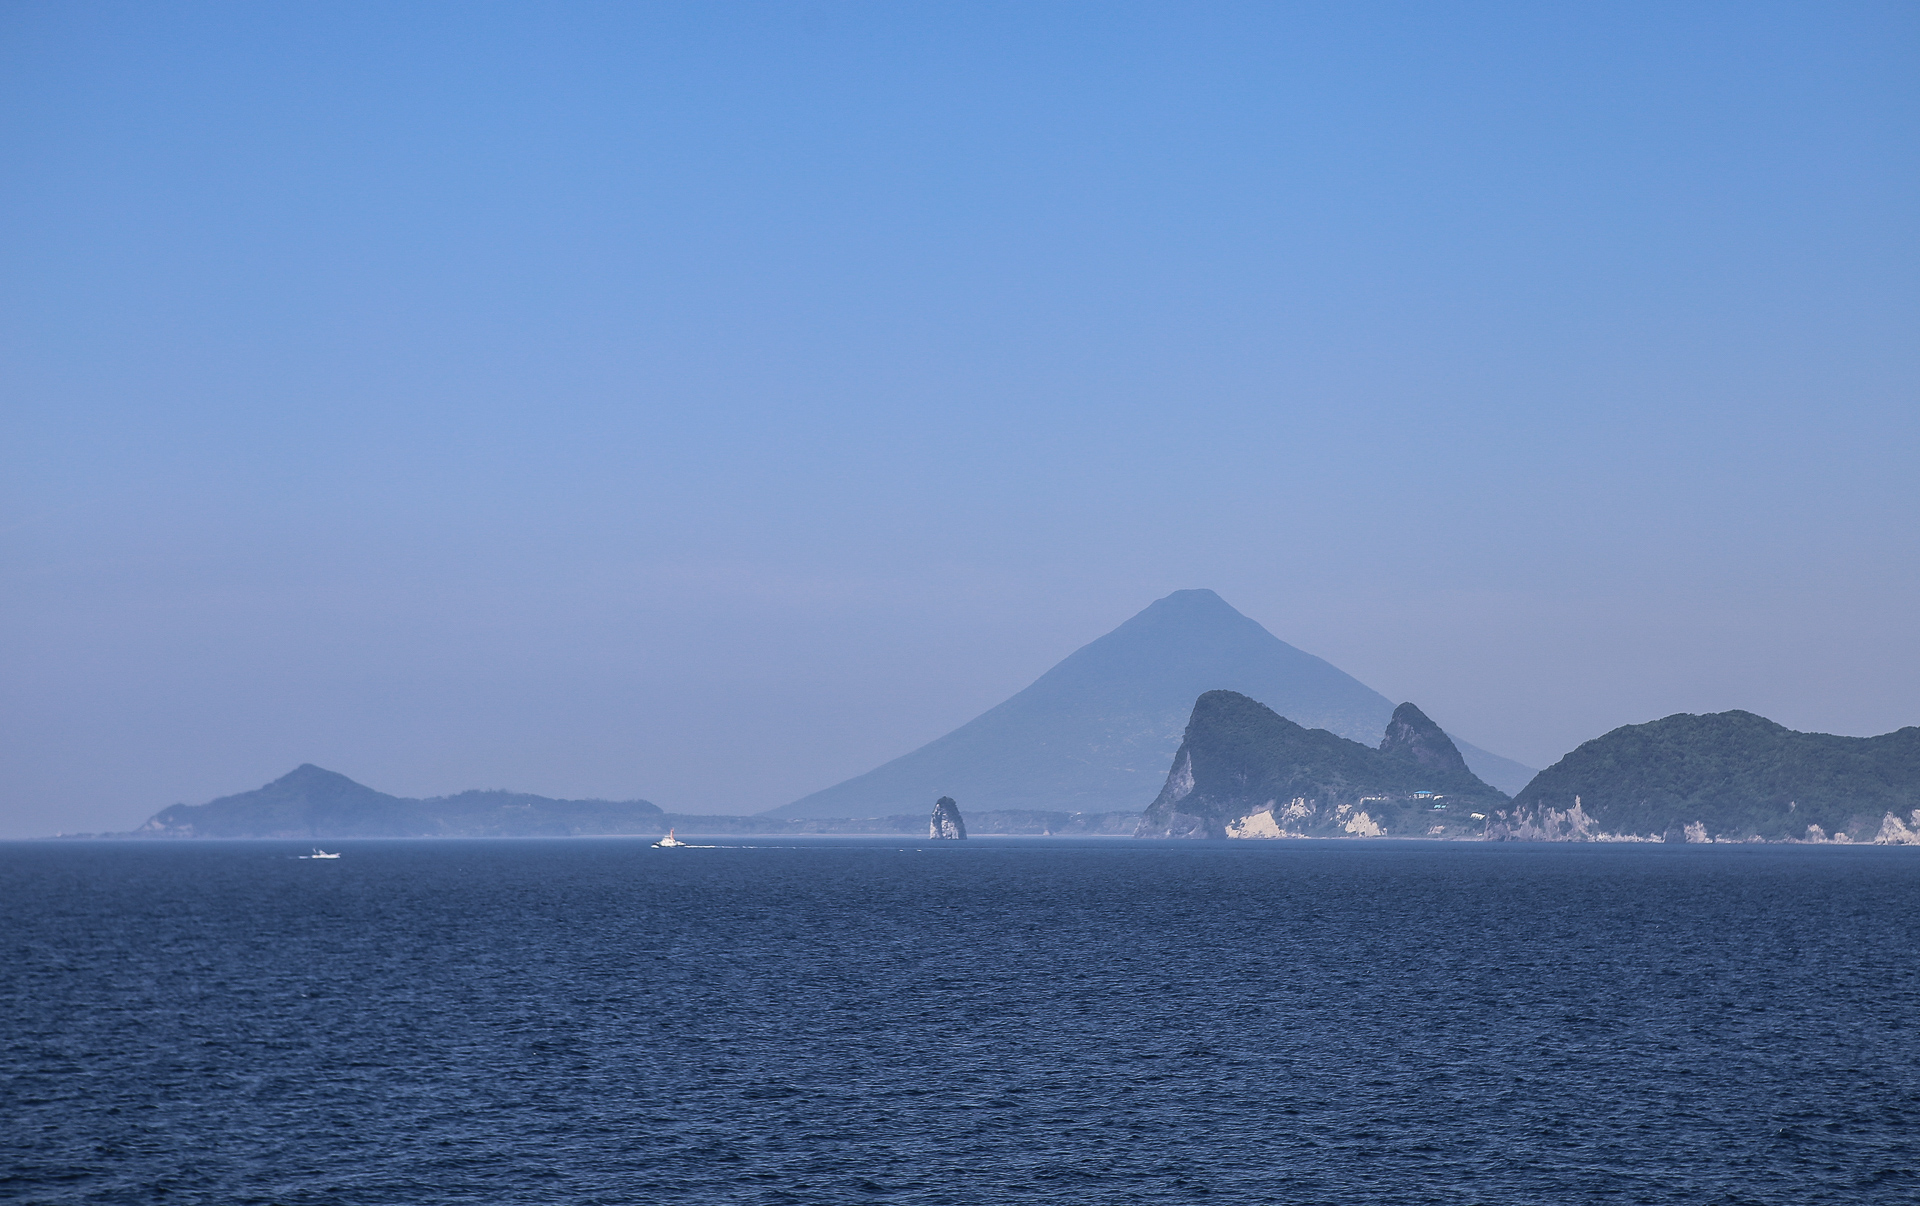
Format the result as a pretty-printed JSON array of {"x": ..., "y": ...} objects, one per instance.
[
  {"x": 1724, "y": 777},
  {"x": 1244, "y": 771}
]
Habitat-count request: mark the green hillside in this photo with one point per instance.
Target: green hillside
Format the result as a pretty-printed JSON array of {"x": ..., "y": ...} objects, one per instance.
[
  {"x": 1240, "y": 761},
  {"x": 1736, "y": 775}
]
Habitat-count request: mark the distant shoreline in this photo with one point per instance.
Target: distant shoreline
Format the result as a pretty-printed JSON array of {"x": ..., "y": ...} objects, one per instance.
[{"x": 1393, "y": 840}]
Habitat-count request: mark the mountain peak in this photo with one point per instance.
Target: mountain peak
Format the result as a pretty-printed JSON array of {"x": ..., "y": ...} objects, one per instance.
[
  {"x": 1414, "y": 738},
  {"x": 309, "y": 775},
  {"x": 1199, "y": 598},
  {"x": 1198, "y": 609},
  {"x": 1094, "y": 732}
]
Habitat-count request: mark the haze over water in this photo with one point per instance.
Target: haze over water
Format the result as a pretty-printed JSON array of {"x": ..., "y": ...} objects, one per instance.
[
  {"x": 549, "y": 398},
  {"x": 979, "y": 1022}
]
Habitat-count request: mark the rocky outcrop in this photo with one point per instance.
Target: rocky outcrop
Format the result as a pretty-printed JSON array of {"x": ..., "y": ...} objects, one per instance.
[
  {"x": 1542, "y": 825},
  {"x": 1244, "y": 771},
  {"x": 1560, "y": 825},
  {"x": 1411, "y": 737},
  {"x": 1574, "y": 825},
  {"x": 947, "y": 823},
  {"x": 1895, "y": 832},
  {"x": 1728, "y": 777}
]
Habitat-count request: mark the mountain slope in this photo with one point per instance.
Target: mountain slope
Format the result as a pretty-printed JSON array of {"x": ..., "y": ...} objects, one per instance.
[
  {"x": 1733, "y": 775},
  {"x": 1243, "y": 770},
  {"x": 310, "y": 802},
  {"x": 1095, "y": 733}
]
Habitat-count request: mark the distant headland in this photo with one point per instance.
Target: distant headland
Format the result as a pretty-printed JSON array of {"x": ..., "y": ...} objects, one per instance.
[
  {"x": 1244, "y": 771},
  {"x": 311, "y": 803}
]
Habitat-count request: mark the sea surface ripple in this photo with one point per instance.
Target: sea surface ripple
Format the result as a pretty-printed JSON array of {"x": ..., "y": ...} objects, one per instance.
[{"x": 965, "y": 1022}]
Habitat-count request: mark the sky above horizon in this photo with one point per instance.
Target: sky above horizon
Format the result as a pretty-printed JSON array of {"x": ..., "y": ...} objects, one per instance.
[{"x": 707, "y": 403}]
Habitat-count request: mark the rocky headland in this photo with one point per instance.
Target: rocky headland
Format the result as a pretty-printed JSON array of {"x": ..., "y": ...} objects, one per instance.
[
  {"x": 1245, "y": 771},
  {"x": 1724, "y": 777}
]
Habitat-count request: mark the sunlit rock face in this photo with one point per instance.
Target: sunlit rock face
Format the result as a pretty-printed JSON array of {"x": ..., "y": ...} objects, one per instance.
[
  {"x": 1256, "y": 825},
  {"x": 1542, "y": 824},
  {"x": 1896, "y": 832},
  {"x": 946, "y": 823}
]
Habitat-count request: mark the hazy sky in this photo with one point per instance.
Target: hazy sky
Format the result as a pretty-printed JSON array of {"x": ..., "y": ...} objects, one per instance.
[{"x": 707, "y": 403}]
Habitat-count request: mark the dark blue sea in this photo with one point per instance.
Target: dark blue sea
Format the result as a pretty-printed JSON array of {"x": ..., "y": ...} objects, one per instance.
[{"x": 980, "y": 1022}]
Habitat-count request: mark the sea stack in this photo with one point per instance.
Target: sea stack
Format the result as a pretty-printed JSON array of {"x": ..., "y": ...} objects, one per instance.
[{"x": 946, "y": 821}]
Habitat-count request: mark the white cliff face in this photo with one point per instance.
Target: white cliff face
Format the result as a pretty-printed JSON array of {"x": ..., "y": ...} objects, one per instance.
[
  {"x": 1557, "y": 825},
  {"x": 1289, "y": 820},
  {"x": 1817, "y": 835},
  {"x": 1362, "y": 825},
  {"x": 1553, "y": 825},
  {"x": 1895, "y": 832},
  {"x": 1256, "y": 825},
  {"x": 1272, "y": 820}
]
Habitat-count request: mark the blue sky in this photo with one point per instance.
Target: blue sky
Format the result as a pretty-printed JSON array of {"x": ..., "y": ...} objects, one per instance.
[{"x": 706, "y": 403}]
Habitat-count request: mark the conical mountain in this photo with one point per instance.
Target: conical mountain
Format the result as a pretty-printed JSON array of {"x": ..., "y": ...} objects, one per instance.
[
  {"x": 1097, "y": 732},
  {"x": 308, "y": 801}
]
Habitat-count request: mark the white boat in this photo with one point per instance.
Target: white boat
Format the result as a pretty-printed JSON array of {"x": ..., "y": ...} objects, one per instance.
[
  {"x": 668, "y": 841},
  {"x": 319, "y": 853}
]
